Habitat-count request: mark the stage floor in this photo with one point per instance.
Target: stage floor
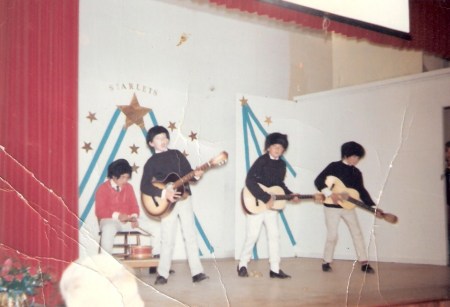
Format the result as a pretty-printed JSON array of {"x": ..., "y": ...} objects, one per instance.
[{"x": 392, "y": 284}]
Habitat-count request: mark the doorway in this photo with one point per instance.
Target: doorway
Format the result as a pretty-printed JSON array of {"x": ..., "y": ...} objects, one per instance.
[{"x": 446, "y": 175}]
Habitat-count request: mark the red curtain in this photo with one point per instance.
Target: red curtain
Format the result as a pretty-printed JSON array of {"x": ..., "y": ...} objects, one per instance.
[
  {"x": 429, "y": 24},
  {"x": 38, "y": 133}
]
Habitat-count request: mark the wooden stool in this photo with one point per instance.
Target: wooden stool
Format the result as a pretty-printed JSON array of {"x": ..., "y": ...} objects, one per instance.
[{"x": 126, "y": 245}]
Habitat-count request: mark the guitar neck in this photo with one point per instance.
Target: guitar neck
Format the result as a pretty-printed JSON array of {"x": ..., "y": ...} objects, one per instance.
[
  {"x": 186, "y": 178},
  {"x": 361, "y": 204},
  {"x": 291, "y": 196}
]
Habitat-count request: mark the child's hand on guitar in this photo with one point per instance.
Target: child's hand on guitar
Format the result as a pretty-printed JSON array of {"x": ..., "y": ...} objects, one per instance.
[
  {"x": 198, "y": 173},
  {"x": 172, "y": 195},
  {"x": 319, "y": 198},
  {"x": 338, "y": 197},
  {"x": 379, "y": 213},
  {"x": 271, "y": 201},
  {"x": 296, "y": 199}
]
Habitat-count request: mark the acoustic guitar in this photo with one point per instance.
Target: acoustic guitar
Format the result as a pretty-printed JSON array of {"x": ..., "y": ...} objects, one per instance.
[
  {"x": 350, "y": 199},
  {"x": 252, "y": 205},
  {"x": 157, "y": 206}
]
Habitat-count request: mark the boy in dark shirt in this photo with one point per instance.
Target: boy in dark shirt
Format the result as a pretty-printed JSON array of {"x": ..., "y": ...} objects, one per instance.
[
  {"x": 351, "y": 177},
  {"x": 268, "y": 170},
  {"x": 163, "y": 162}
]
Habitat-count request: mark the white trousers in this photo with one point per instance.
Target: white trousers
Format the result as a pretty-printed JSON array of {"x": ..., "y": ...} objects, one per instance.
[
  {"x": 184, "y": 213},
  {"x": 109, "y": 228},
  {"x": 332, "y": 219},
  {"x": 253, "y": 228}
]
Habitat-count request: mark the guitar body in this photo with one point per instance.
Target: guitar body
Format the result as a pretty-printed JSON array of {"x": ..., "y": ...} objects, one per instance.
[
  {"x": 157, "y": 206},
  {"x": 350, "y": 199},
  {"x": 338, "y": 187},
  {"x": 252, "y": 205}
]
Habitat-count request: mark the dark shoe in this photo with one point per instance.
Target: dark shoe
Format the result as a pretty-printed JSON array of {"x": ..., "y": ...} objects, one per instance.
[
  {"x": 160, "y": 280},
  {"x": 199, "y": 277},
  {"x": 367, "y": 268},
  {"x": 242, "y": 272},
  {"x": 326, "y": 267},
  {"x": 280, "y": 275},
  {"x": 153, "y": 270}
]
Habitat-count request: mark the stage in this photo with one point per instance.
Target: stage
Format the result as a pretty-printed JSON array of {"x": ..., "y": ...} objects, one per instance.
[{"x": 393, "y": 284}]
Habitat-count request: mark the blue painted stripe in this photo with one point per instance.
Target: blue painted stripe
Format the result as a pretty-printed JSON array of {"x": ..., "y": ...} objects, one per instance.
[
  {"x": 153, "y": 118},
  {"x": 98, "y": 151},
  {"x": 256, "y": 121},
  {"x": 246, "y": 150},
  {"x": 255, "y": 140},
  {"x": 288, "y": 230},
  {"x": 102, "y": 176},
  {"x": 203, "y": 235}
]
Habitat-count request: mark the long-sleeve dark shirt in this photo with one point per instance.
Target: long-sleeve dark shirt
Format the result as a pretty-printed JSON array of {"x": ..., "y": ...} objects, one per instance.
[
  {"x": 350, "y": 176},
  {"x": 159, "y": 166},
  {"x": 267, "y": 172}
]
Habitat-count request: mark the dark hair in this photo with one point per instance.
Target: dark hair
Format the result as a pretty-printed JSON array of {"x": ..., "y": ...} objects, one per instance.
[
  {"x": 155, "y": 131},
  {"x": 276, "y": 138},
  {"x": 447, "y": 145},
  {"x": 352, "y": 149},
  {"x": 118, "y": 168}
]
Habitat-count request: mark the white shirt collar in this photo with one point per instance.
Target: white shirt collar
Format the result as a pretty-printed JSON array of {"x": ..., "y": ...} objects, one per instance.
[
  {"x": 272, "y": 158},
  {"x": 114, "y": 185}
]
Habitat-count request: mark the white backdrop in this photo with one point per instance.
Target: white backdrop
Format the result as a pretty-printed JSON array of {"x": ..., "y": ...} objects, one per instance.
[
  {"x": 400, "y": 124},
  {"x": 187, "y": 66}
]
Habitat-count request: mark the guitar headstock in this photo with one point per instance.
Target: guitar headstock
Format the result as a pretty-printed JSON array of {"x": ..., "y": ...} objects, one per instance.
[{"x": 220, "y": 159}]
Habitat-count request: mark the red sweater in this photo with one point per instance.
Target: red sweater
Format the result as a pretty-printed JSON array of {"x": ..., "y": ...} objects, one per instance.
[{"x": 108, "y": 200}]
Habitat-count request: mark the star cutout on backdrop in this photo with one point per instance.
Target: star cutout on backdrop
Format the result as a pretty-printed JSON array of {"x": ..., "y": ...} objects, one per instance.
[
  {"x": 183, "y": 39},
  {"x": 172, "y": 126},
  {"x": 91, "y": 117},
  {"x": 185, "y": 153},
  {"x": 193, "y": 136},
  {"x": 134, "y": 168},
  {"x": 268, "y": 120},
  {"x": 134, "y": 113},
  {"x": 134, "y": 148},
  {"x": 87, "y": 146},
  {"x": 243, "y": 101}
]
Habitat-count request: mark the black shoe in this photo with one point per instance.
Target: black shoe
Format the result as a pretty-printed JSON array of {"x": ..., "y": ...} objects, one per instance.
[
  {"x": 280, "y": 275},
  {"x": 326, "y": 267},
  {"x": 242, "y": 272},
  {"x": 199, "y": 277},
  {"x": 154, "y": 269},
  {"x": 160, "y": 280},
  {"x": 367, "y": 268}
]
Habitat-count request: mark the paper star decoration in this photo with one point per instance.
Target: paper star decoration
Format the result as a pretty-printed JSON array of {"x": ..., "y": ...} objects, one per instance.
[
  {"x": 172, "y": 126},
  {"x": 183, "y": 39},
  {"x": 134, "y": 148},
  {"x": 91, "y": 117},
  {"x": 134, "y": 113},
  {"x": 243, "y": 101},
  {"x": 193, "y": 136},
  {"x": 87, "y": 146},
  {"x": 134, "y": 168},
  {"x": 268, "y": 120}
]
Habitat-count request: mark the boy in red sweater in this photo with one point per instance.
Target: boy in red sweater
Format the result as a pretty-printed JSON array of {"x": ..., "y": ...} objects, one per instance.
[{"x": 116, "y": 206}]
